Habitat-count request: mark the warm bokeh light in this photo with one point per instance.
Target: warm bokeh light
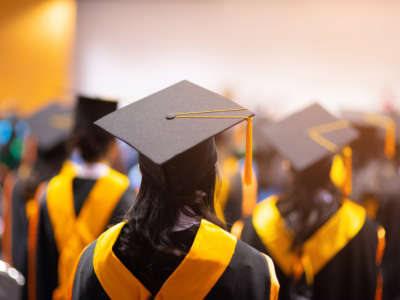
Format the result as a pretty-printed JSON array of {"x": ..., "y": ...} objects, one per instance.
[
  {"x": 36, "y": 39},
  {"x": 279, "y": 54}
]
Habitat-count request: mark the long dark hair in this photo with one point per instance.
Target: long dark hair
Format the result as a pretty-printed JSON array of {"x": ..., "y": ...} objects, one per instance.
[
  {"x": 151, "y": 219},
  {"x": 309, "y": 201}
]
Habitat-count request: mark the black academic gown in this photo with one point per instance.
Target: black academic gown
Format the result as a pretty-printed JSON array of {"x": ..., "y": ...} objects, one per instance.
[
  {"x": 47, "y": 250},
  {"x": 346, "y": 271},
  {"x": 19, "y": 230},
  {"x": 217, "y": 266},
  {"x": 382, "y": 202},
  {"x": 388, "y": 216}
]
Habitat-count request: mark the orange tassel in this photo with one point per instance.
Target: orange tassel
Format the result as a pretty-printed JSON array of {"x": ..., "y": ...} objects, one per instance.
[
  {"x": 390, "y": 140},
  {"x": 248, "y": 170},
  {"x": 347, "y": 155},
  {"x": 380, "y": 250}
]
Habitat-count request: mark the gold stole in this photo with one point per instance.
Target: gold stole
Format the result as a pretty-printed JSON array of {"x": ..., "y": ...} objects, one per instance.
[
  {"x": 72, "y": 233},
  {"x": 209, "y": 256},
  {"x": 319, "y": 249}
]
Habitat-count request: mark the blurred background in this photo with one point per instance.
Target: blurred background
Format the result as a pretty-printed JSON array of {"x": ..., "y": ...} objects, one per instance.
[{"x": 274, "y": 56}]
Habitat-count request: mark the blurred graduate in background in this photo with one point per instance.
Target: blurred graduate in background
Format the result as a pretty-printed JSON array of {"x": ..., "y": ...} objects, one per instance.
[
  {"x": 44, "y": 151},
  {"x": 376, "y": 184},
  {"x": 12, "y": 135},
  {"x": 323, "y": 244},
  {"x": 80, "y": 202}
]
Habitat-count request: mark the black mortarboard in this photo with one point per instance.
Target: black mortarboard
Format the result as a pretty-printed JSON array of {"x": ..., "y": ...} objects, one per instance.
[
  {"x": 51, "y": 125},
  {"x": 174, "y": 127},
  {"x": 369, "y": 124},
  {"x": 310, "y": 135},
  {"x": 89, "y": 110}
]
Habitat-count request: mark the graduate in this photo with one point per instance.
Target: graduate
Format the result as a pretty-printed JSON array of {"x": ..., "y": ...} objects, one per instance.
[
  {"x": 12, "y": 134},
  {"x": 80, "y": 202},
  {"x": 377, "y": 185},
  {"x": 323, "y": 244},
  {"x": 49, "y": 131},
  {"x": 172, "y": 245}
]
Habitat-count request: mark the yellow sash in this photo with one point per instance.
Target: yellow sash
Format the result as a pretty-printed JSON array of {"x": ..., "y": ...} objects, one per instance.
[
  {"x": 210, "y": 254},
  {"x": 72, "y": 233},
  {"x": 319, "y": 249}
]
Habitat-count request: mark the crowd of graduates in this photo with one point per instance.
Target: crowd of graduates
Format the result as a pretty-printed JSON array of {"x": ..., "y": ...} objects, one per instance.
[{"x": 187, "y": 195}]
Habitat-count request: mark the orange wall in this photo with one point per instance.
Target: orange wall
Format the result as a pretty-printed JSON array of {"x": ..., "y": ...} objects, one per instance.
[{"x": 36, "y": 42}]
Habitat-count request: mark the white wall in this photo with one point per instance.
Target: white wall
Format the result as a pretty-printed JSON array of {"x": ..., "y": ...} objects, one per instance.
[{"x": 279, "y": 54}]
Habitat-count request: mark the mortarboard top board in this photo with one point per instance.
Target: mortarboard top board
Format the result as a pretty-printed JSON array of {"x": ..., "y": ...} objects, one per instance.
[
  {"x": 89, "y": 110},
  {"x": 173, "y": 120},
  {"x": 51, "y": 125},
  {"x": 310, "y": 135}
]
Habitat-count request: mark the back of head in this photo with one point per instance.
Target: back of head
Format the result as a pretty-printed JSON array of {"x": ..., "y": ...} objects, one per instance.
[
  {"x": 185, "y": 184},
  {"x": 92, "y": 142},
  {"x": 309, "y": 201}
]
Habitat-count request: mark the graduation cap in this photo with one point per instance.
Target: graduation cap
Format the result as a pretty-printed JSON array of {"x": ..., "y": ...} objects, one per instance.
[
  {"x": 89, "y": 110},
  {"x": 51, "y": 125},
  {"x": 371, "y": 120},
  {"x": 173, "y": 129},
  {"x": 311, "y": 135}
]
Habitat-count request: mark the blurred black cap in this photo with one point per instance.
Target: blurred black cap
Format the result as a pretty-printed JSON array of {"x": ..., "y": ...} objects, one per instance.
[
  {"x": 309, "y": 136},
  {"x": 51, "y": 125}
]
